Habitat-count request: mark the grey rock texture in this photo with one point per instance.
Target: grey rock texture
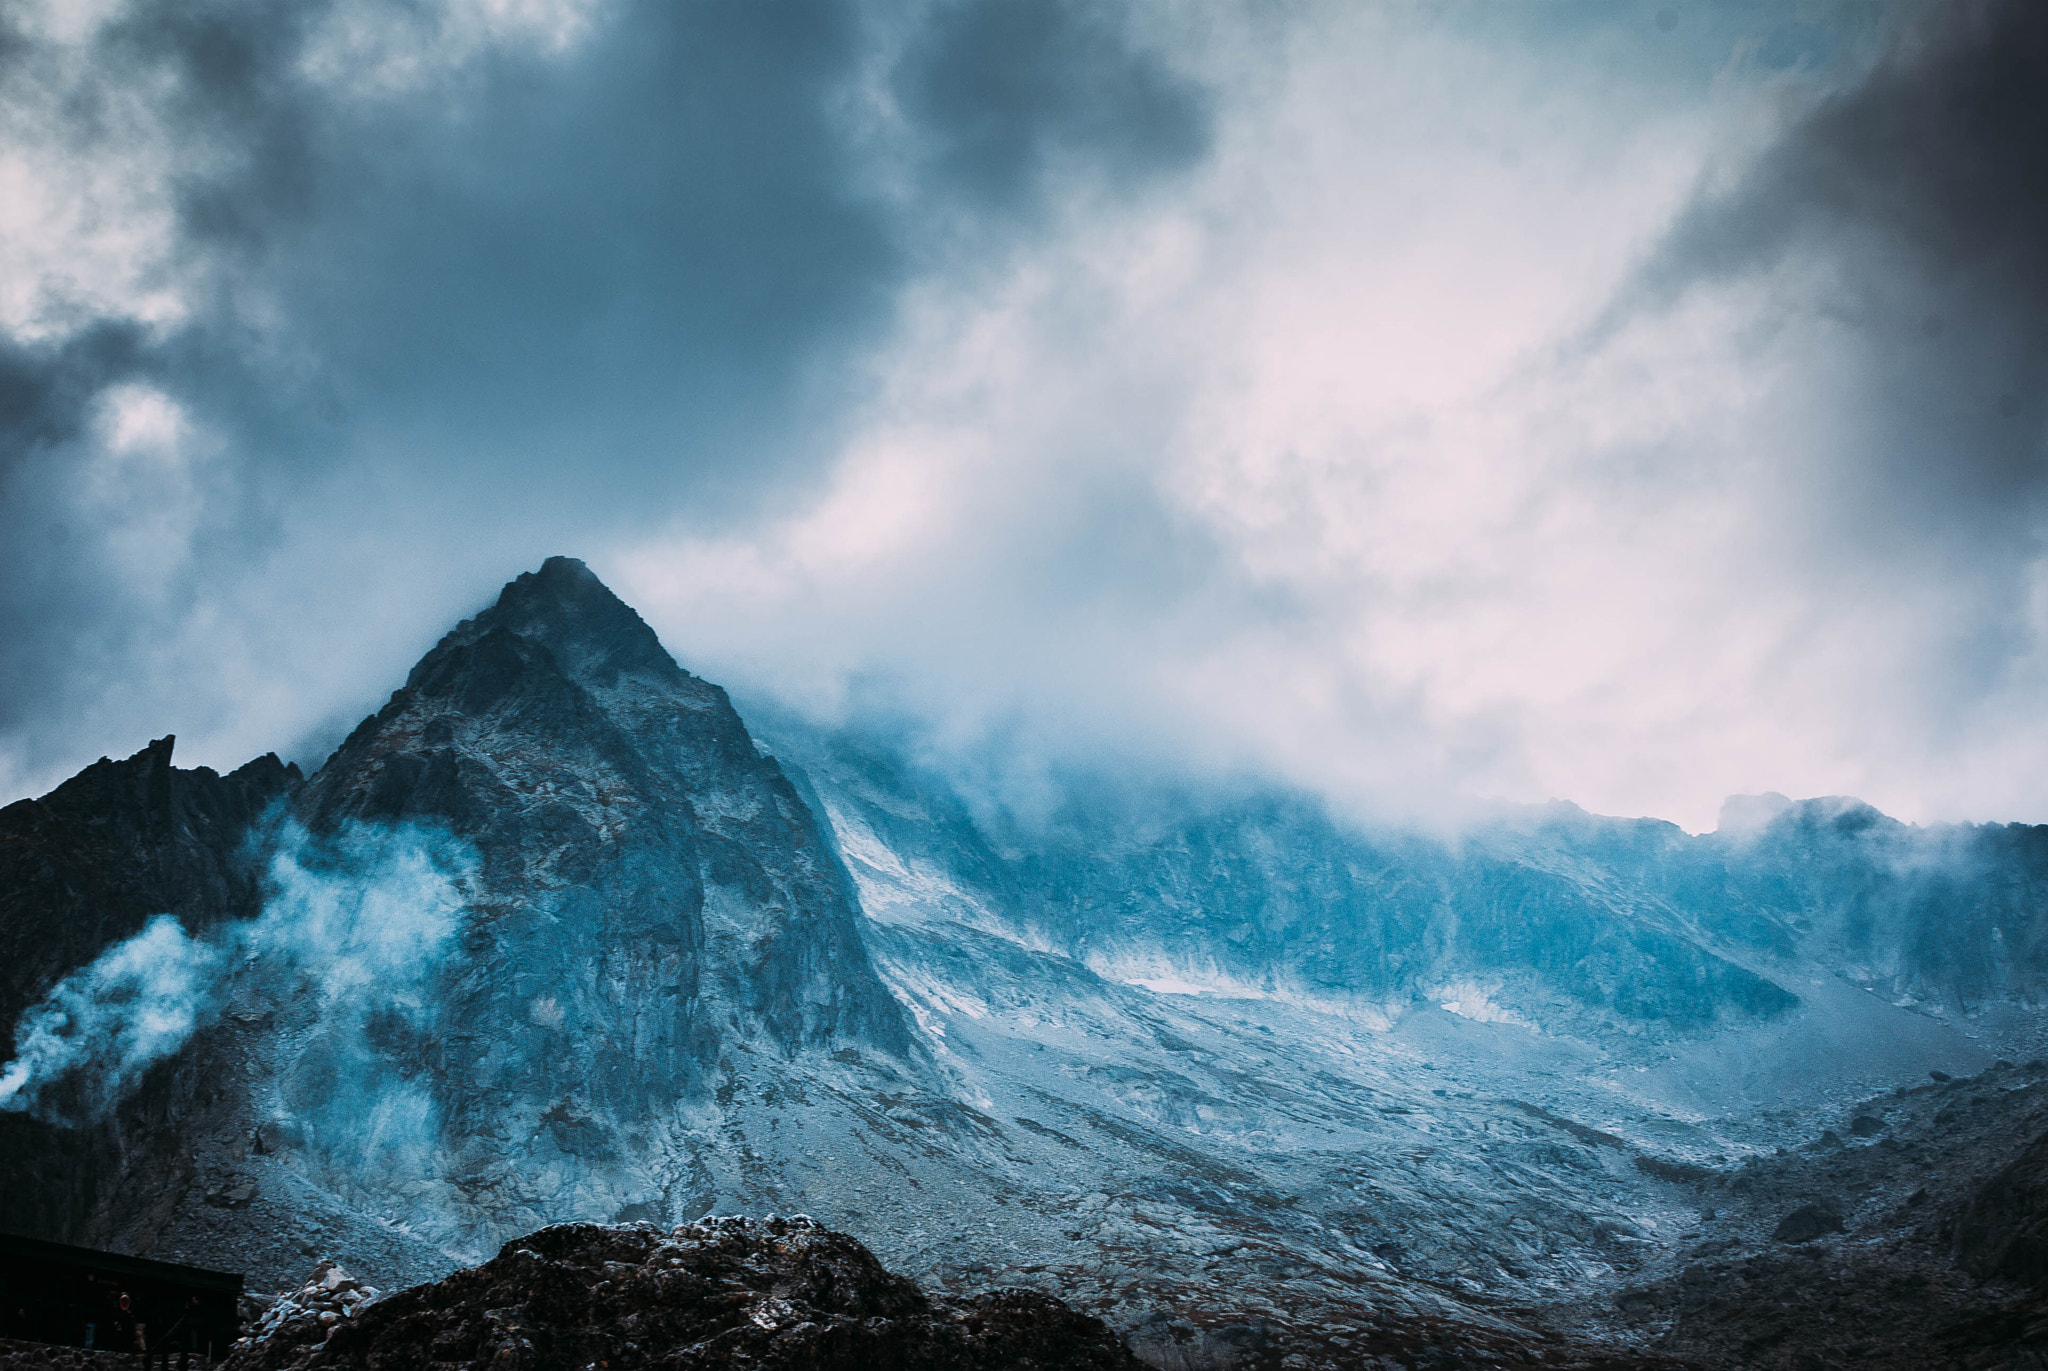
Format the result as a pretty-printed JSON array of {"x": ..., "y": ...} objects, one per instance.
[
  {"x": 633, "y": 841},
  {"x": 654, "y": 917},
  {"x": 2002, "y": 1233},
  {"x": 1575, "y": 922}
]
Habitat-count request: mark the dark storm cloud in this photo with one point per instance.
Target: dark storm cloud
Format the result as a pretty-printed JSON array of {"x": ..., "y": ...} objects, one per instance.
[
  {"x": 541, "y": 297},
  {"x": 229, "y": 68},
  {"x": 439, "y": 322},
  {"x": 617, "y": 265},
  {"x": 1012, "y": 89},
  {"x": 62, "y": 619},
  {"x": 1919, "y": 202},
  {"x": 45, "y": 393}
]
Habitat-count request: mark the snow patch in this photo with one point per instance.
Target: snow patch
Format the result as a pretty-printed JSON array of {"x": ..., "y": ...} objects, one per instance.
[
  {"x": 1161, "y": 975},
  {"x": 911, "y": 894},
  {"x": 1470, "y": 1000}
]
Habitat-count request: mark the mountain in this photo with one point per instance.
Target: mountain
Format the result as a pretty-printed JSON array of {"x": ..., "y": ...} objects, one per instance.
[
  {"x": 654, "y": 913},
  {"x": 1822, "y": 934},
  {"x": 555, "y": 936},
  {"x": 630, "y": 834}
]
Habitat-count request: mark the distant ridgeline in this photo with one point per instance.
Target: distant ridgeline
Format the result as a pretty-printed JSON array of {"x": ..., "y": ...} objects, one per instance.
[{"x": 1563, "y": 917}]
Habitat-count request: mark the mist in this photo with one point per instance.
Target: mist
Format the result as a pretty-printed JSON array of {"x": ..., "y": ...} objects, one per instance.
[{"x": 353, "y": 927}]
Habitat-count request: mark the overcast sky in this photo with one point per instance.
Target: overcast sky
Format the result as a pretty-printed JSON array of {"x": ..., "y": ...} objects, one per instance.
[{"x": 1631, "y": 404}]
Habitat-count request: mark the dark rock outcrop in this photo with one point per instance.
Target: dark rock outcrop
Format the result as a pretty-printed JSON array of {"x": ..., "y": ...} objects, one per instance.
[
  {"x": 1808, "y": 1222},
  {"x": 2003, "y": 1231},
  {"x": 89, "y": 863},
  {"x": 1946, "y": 1207},
  {"x": 81, "y": 869},
  {"x": 719, "y": 1293}
]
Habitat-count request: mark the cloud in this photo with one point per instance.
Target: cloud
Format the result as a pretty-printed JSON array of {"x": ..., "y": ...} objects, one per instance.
[
  {"x": 1487, "y": 415},
  {"x": 1009, "y": 95},
  {"x": 1907, "y": 211},
  {"x": 1625, "y": 403},
  {"x": 1885, "y": 251},
  {"x": 436, "y": 291},
  {"x": 1168, "y": 481}
]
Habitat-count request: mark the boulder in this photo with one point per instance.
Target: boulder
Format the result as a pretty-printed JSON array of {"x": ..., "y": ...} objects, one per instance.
[{"x": 1808, "y": 1222}]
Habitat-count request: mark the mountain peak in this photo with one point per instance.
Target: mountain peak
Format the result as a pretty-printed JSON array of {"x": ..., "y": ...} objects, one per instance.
[
  {"x": 568, "y": 610},
  {"x": 560, "y": 582},
  {"x": 568, "y": 577}
]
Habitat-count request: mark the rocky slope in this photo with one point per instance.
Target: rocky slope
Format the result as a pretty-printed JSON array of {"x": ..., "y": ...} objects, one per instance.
[
  {"x": 1906, "y": 1236},
  {"x": 555, "y": 937},
  {"x": 654, "y": 918},
  {"x": 1571, "y": 922}
]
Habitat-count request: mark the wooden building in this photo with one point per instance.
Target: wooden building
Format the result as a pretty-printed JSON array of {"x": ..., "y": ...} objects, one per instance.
[{"x": 76, "y": 1297}]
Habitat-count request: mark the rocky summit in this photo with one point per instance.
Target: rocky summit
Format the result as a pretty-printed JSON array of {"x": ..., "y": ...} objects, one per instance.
[
  {"x": 557, "y": 954},
  {"x": 654, "y": 917},
  {"x": 632, "y": 840}
]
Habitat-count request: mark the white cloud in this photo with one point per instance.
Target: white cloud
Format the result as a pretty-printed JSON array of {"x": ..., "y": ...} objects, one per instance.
[
  {"x": 1292, "y": 469},
  {"x": 379, "y": 49},
  {"x": 1298, "y": 461},
  {"x": 87, "y": 210}
]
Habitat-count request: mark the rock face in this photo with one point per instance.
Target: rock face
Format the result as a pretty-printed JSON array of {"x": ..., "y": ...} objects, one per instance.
[
  {"x": 1569, "y": 921},
  {"x": 720, "y": 1293},
  {"x": 655, "y": 911},
  {"x": 88, "y": 864},
  {"x": 652, "y": 932},
  {"x": 1270, "y": 893},
  {"x": 633, "y": 840}
]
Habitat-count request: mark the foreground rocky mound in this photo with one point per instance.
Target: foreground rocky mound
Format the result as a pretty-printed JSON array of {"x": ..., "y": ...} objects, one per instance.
[
  {"x": 718, "y": 1293},
  {"x": 1909, "y": 1240}
]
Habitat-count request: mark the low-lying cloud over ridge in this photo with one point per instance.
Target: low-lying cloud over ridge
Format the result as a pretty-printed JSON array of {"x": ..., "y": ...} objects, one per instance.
[
  {"x": 1636, "y": 404},
  {"x": 355, "y": 925}
]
